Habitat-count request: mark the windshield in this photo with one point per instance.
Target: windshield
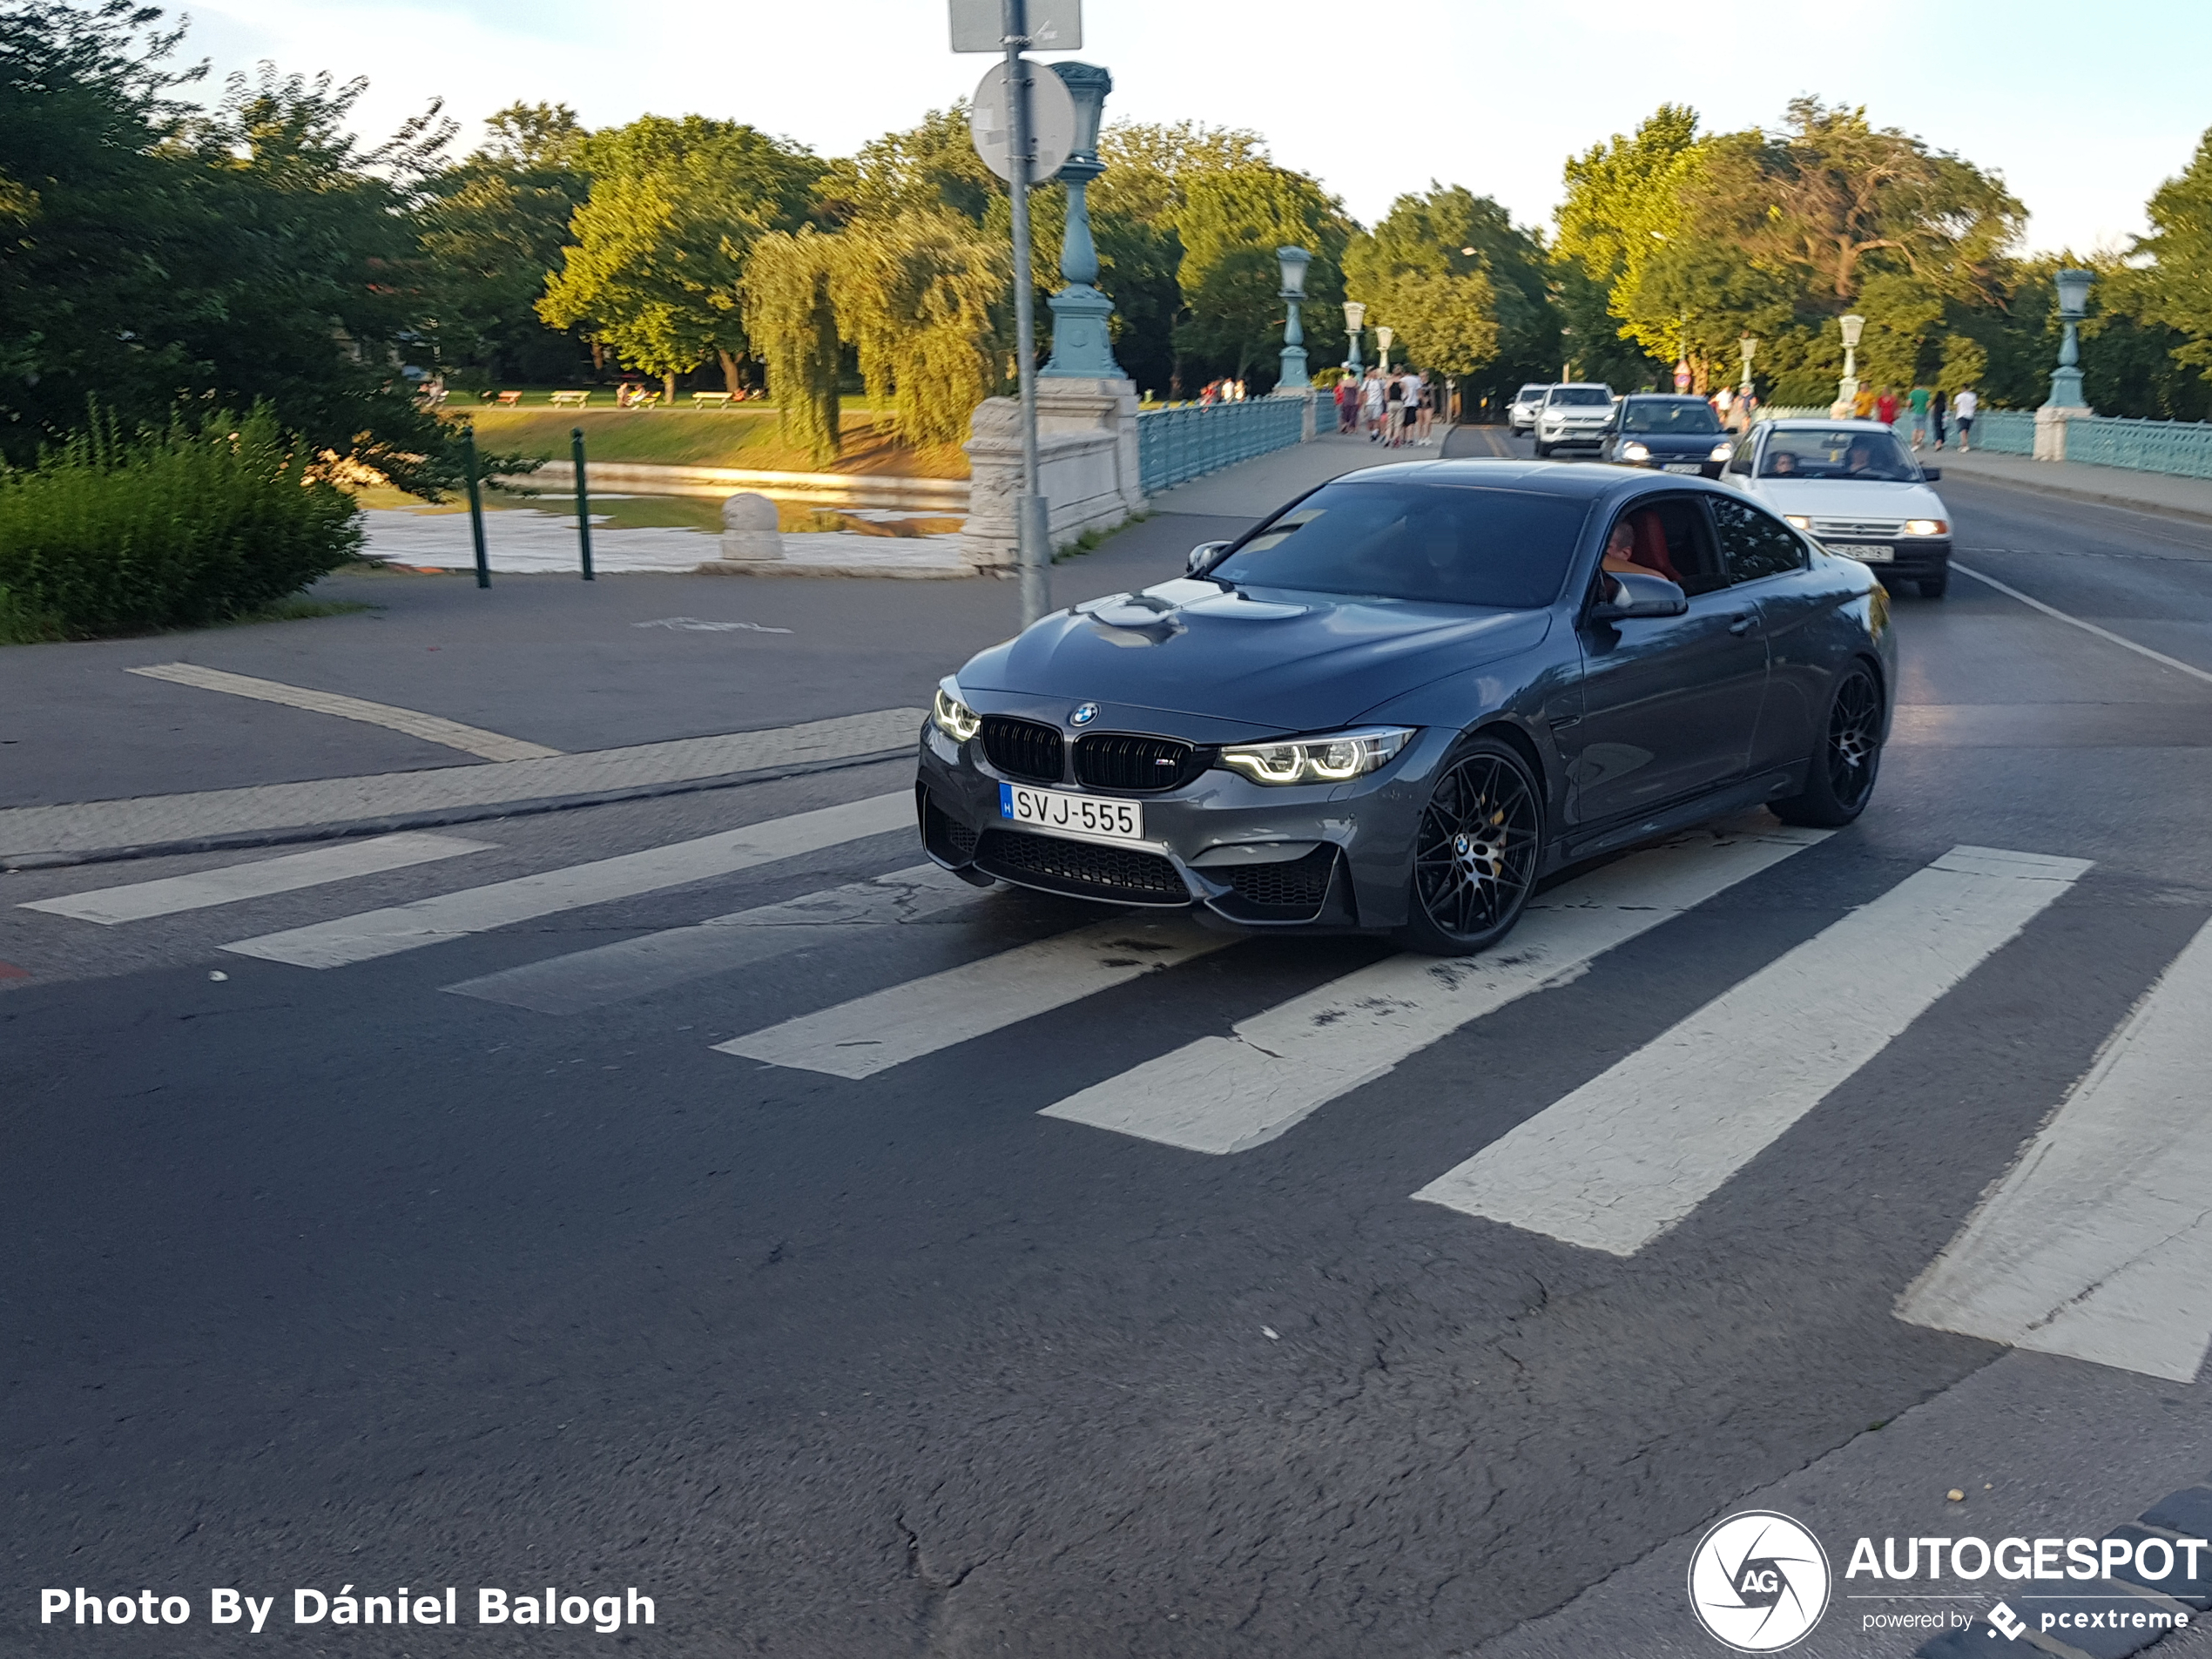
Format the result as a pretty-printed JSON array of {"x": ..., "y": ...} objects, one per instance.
[
  {"x": 1871, "y": 457},
  {"x": 1581, "y": 396},
  {"x": 1440, "y": 543},
  {"x": 1690, "y": 416},
  {"x": 1531, "y": 394}
]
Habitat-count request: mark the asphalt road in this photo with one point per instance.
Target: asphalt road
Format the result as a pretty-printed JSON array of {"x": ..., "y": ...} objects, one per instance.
[{"x": 331, "y": 1276}]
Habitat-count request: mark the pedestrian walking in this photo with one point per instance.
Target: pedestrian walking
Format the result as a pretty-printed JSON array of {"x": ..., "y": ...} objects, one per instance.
[
  {"x": 1885, "y": 407},
  {"x": 1424, "y": 400},
  {"x": 1916, "y": 401},
  {"x": 1862, "y": 407},
  {"x": 1963, "y": 406},
  {"x": 1724, "y": 406},
  {"x": 1372, "y": 404},
  {"x": 1394, "y": 401},
  {"x": 1938, "y": 407}
]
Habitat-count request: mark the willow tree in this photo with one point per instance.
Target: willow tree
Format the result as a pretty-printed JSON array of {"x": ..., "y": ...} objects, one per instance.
[
  {"x": 790, "y": 316},
  {"x": 919, "y": 298}
]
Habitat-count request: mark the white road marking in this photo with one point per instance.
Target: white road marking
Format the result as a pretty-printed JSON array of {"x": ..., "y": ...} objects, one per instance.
[
  {"x": 1230, "y": 1094},
  {"x": 588, "y": 978},
  {"x": 138, "y": 899},
  {"x": 469, "y": 739},
  {"x": 2121, "y": 640},
  {"x": 872, "y": 1034},
  {"x": 2098, "y": 1242},
  {"x": 475, "y": 910},
  {"x": 1627, "y": 1156}
]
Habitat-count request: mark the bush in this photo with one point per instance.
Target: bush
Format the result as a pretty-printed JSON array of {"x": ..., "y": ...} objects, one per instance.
[{"x": 176, "y": 527}]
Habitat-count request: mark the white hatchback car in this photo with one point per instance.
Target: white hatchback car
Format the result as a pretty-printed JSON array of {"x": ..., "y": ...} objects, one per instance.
[
  {"x": 1521, "y": 414},
  {"x": 1853, "y": 488}
]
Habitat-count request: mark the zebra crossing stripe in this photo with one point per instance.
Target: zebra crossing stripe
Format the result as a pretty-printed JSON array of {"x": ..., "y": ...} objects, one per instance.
[
  {"x": 1626, "y": 1156},
  {"x": 1226, "y": 1094},
  {"x": 872, "y": 1034},
  {"x": 474, "y": 910},
  {"x": 629, "y": 967},
  {"x": 2097, "y": 1243},
  {"x": 137, "y": 900}
]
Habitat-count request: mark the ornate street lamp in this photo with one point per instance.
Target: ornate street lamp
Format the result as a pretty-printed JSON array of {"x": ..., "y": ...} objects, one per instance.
[
  {"x": 1748, "y": 346},
  {"x": 1355, "y": 314},
  {"x": 1082, "y": 343},
  {"x": 1293, "y": 262},
  {"x": 1384, "y": 334},
  {"x": 2065, "y": 378},
  {"x": 1847, "y": 389}
]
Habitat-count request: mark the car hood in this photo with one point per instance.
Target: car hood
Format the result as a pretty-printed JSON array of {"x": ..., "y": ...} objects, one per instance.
[
  {"x": 1849, "y": 498},
  {"x": 1272, "y": 658}
]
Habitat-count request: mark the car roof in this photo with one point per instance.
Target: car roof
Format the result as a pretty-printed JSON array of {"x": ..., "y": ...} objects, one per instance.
[
  {"x": 1578, "y": 386},
  {"x": 1576, "y": 480},
  {"x": 1661, "y": 397}
]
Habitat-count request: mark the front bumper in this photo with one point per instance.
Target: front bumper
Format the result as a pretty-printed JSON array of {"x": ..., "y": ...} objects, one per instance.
[
  {"x": 1323, "y": 857},
  {"x": 1578, "y": 436},
  {"x": 1910, "y": 556},
  {"x": 1686, "y": 465}
]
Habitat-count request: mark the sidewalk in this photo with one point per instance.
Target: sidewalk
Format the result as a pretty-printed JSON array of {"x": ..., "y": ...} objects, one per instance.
[{"x": 2144, "y": 492}]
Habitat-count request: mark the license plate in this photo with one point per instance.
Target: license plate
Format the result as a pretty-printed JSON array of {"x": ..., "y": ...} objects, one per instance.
[
  {"x": 1682, "y": 466},
  {"x": 1864, "y": 552},
  {"x": 1060, "y": 811}
]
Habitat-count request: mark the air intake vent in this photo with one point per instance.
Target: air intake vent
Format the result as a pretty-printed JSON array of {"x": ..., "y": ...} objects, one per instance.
[{"x": 1083, "y": 868}]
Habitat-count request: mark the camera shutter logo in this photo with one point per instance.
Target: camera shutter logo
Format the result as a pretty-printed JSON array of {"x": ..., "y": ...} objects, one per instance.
[{"x": 1758, "y": 1581}]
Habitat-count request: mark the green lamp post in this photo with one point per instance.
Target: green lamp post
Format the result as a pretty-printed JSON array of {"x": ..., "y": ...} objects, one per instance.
[
  {"x": 1082, "y": 341},
  {"x": 2074, "y": 300},
  {"x": 1292, "y": 262}
]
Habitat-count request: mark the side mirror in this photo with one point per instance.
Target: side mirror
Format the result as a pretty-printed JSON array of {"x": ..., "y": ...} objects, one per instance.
[
  {"x": 1639, "y": 596},
  {"x": 1930, "y": 474},
  {"x": 1202, "y": 555}
]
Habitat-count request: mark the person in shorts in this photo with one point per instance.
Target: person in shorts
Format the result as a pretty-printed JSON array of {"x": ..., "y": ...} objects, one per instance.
[
  {"x": 1917, "y": 403},
  {"x": 1963, "y": 406}
]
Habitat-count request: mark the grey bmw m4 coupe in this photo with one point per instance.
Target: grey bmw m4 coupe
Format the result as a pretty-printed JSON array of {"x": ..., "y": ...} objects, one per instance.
[{"x": 1405, "y": 699}]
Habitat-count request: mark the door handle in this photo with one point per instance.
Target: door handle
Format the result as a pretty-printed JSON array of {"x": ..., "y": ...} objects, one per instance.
[{"x": 1744, "y": 625}]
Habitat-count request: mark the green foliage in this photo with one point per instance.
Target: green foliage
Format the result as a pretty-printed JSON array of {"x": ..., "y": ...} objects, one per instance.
[
  {"x": 2178, "y": 294},
  {"x": 1465, "y": 289},
  {"x": 252, "y": 252},
  {"x": 175, "y": 527},
  {"x": 660, "y": 243},
  {"x": 1229, "y": 222},
  {"x": 790, "y": 308},
  {"x": 916, "y": 295}
]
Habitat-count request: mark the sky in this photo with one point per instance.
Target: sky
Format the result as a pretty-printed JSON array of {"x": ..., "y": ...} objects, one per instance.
[{"x": 2083, "y": 109}]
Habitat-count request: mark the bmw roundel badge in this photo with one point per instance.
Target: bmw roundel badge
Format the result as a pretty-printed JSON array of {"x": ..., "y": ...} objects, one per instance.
[{"x": 1084, "y": 714}]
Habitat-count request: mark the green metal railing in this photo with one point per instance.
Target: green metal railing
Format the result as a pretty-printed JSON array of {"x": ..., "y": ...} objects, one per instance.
[
  {"x": 2183, "y": 447},
  {"x": 1189, "y": 440},
  {"x": 2002, "y": 432}
]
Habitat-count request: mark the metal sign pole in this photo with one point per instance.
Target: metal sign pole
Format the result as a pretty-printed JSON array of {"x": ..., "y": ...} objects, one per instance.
[
  {"x": 476, "y": 504},
  {"x": 583, "y": 500},
  {"x": 1032, "y": 523}
]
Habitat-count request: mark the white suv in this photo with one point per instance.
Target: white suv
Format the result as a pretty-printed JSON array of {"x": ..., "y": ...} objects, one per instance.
[
  {"x": 1573, "y": 416},
  {"x": 1521, "y": 414}
]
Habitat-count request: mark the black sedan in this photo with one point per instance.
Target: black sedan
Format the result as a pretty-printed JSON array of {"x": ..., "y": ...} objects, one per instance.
[
  {"x": 1679, "y": 435},
  {"x": 1404, "y": 699}
]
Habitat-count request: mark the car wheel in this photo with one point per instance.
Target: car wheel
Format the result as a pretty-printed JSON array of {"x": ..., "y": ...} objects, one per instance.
[
  {"x": 1475, "y": 852},
  {"x": 1934, "y": 587},
  {"x": 1840, "y": 778},
  {"x": 1544, "y": 450}
]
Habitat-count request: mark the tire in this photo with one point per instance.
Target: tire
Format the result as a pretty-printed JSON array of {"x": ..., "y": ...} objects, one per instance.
[
  {"x": 1477, "y": 847},
  {"x": 1934, "y": 587},
  {"x": 1544, "y": 450},
  {"x": 1839, "y": 780}
]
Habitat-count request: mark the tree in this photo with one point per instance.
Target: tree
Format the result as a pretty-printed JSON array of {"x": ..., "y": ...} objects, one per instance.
[
  {"x": 1466, "y": 291},
  {"x": 790, "y": 308},
  {"x": 660, "y": 243},
  {"x": 1229, "y": 223},
  {"x": 917, "y": 296},
  {"x": 2178, "y": 294},
  {"x": 489, "y": 230}
]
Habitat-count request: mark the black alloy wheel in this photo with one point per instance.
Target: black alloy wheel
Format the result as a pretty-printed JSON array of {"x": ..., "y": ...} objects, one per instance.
[
  {"x": 1475, "y": 852},
  {"x": 1840, "y": 778}
]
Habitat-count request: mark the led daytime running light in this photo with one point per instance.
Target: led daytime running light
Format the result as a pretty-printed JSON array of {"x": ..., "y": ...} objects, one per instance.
[
  {"x": 1317, "y": 760},
  {"x": 953, "y": 717}
]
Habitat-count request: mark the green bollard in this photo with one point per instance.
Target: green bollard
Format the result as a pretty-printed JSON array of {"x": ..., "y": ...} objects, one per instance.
[
  {"x": 476, "y": 505},
  {"x": 582, "y": 500}
]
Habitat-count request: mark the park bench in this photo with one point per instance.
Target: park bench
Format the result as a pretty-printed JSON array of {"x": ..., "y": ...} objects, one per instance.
[
  {"x": 571, "y": 399},
  {"x": 709, "y": 400},
  {"x": 508, "y": 400}
]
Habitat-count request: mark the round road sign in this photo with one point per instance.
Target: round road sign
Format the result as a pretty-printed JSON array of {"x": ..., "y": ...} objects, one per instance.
[{"x": 1052, "y": 122}]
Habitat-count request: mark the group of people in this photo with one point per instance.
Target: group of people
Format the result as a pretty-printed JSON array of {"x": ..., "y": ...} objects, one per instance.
[
  {"x": 1222, "y": 391},
  {"x": 1394, "y": 406},
  {"x": 1929, "y": 409}
]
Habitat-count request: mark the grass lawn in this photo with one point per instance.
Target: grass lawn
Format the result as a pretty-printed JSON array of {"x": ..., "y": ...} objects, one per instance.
[{"x": 704, "y": 438}]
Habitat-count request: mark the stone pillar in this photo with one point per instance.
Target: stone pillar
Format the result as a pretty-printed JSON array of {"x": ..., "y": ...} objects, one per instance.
[
  {"x": 1087, "y": 465},
  {"x": 2051, "y": 424}
]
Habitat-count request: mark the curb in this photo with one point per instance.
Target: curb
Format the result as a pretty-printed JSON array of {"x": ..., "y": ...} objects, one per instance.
[
  {"x": 2088, "y": 497},
  {"x": 433, "y": 818}
]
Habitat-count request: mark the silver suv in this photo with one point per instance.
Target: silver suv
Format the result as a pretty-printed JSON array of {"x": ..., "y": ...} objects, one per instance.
[
  {"x": 1520, "y": 414},
  {"x": 1573, "y": 416}
]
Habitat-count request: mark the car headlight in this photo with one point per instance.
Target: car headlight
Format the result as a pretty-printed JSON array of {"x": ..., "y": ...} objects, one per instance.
[
  {"x": 951, "y": 716},
  {"x": 1317, "y": 760},
  {"x": 1927, "y": 527},
  {"x": 1721, "y": 452},
  {"x": 1637, "y": 451},
  {"x": 1796, "y": 521}
]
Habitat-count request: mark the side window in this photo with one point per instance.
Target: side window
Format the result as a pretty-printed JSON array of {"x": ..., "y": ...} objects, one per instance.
[
  {"x": 1689, "y": 546},
  {"x": 1741, "y": 461},
  {"x": 1753, "y": 543}
]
